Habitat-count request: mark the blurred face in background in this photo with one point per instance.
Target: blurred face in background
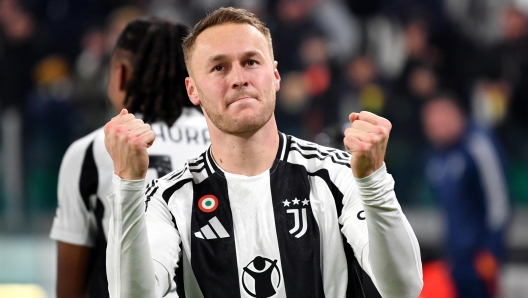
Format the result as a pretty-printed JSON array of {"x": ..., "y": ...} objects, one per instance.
[
  {"x": 120, "y": 73},
  {"x": 514, "y": 24},
  {"x": 443, "y": 122},
  {"x": 17, "y": 24},
  {"x": 422, "y": 82}
]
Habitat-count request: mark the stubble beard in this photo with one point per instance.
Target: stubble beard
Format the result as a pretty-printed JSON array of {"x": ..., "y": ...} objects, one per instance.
[{"x": 236, "y": 126}]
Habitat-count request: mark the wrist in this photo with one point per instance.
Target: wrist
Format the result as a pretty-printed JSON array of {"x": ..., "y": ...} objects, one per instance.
[{"x": 126, "y": 175}]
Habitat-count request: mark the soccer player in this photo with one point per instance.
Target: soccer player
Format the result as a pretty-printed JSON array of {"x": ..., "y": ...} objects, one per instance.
[
  {"x": 260, "y": 213},
  {"x": 147, "y": 74}
]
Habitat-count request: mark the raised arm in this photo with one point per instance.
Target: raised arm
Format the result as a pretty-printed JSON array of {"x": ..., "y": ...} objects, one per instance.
[
  {"x": 391, "y": 255},
  {"x": 132, "y": 271}
]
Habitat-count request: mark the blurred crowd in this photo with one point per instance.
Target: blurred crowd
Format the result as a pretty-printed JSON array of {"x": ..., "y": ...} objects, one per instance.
[{"x": 335, "y": 56}]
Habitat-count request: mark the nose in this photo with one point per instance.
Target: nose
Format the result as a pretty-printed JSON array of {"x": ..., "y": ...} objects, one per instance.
[{"x": 239, "y": 77}]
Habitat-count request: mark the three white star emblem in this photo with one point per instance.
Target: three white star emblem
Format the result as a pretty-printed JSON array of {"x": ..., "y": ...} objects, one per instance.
[{"x": 286, "y": 203}]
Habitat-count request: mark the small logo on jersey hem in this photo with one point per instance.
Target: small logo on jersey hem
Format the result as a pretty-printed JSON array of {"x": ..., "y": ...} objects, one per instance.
[
  {"x": 261, "y": 278},
  {"x": 213, "y": 230},
  {"x": 208, "y": 203}
]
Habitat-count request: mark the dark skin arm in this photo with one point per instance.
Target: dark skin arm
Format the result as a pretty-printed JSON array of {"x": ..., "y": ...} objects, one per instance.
[{"x": 72, "y": 267}]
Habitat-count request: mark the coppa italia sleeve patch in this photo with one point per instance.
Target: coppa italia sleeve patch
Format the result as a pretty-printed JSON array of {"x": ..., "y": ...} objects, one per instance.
[{"x": 208, "y": 203}]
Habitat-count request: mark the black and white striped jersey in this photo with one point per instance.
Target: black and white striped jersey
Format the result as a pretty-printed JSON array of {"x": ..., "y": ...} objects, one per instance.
[
  {"x": 295, "y": 230},
  {"x": 85, "y": 180}
]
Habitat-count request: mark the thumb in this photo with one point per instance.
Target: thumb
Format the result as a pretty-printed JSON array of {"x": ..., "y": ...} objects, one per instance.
[
  {"x": 123, "y": 112},
  {"x": 353, "y": 117}
]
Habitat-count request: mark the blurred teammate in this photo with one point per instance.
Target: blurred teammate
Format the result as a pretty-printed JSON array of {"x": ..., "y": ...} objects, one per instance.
[
  {"x": 260, "y": 213},
  {"x": 466, "y": 173},
  {"x": 147, "y": 75}
]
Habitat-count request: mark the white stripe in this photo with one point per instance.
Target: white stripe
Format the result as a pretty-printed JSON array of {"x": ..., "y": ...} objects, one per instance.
[
  {"x": 334, "y": 269},
  {"x": 199, "y": 235},
  {"x": 255, "y": 233},
  {"x": 283, "y": 153},
  {"x": 305, "y": 224},
  {"x": 296, "y": 215},
  {"x": 218, "y": 227},
  {"x": 492, "y": 180},
  {"x": 208, "y": 233}
]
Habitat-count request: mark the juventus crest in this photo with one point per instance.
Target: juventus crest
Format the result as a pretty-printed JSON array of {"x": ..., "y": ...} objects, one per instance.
[{"x": 297, "y": 208}]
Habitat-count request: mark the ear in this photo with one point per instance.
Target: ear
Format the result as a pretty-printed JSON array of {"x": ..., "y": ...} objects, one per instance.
[
  {"x": 277, "y": 76},
  {"x": 192, "y": 91},
  {"x": 122, "y": 75}
]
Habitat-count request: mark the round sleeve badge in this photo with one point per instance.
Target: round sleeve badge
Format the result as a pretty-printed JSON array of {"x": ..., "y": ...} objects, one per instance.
[{"x": 208, "y": 203}]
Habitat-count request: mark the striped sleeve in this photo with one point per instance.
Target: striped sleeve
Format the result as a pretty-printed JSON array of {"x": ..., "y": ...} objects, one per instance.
[
  {"x": 133, "y": 271},
  {"x": 392, "y": 255},
  {"x": 74, "y": 221}
]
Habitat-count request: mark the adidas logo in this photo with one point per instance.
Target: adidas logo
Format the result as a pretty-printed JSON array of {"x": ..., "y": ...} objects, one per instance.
[{"x": 212, "y": 230}]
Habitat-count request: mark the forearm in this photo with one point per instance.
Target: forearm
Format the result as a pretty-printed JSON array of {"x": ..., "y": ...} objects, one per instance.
[
  {"x": 130, "y": 268},
  {"x": 393, "y": 251},
  {"x": 72, "y": 268}
]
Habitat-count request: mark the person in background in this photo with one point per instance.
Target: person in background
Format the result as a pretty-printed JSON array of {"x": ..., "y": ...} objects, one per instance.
[
  {"x": 466, "y": 173},
  {"x": 147, "y": 77}
]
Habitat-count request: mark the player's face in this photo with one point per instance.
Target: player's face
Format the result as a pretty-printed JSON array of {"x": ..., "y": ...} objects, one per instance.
[{"x": 233, "y": 77}]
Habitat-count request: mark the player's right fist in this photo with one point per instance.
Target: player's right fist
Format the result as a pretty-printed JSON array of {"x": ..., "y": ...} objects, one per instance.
[{"x": 127, "y": 140}]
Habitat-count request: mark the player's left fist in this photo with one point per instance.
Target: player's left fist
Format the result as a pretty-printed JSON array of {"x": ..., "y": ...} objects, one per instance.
[{"x": 367, "y": 140}]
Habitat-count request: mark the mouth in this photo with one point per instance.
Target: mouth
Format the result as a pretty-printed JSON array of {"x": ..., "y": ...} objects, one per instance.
[{"x": 242, "y": 99}]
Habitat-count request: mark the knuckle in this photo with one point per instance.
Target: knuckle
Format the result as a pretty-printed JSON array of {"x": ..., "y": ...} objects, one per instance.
[{"x": 136, "y": 142}]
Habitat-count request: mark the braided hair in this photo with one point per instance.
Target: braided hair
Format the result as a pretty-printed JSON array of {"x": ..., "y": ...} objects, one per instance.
[{"x": 156, "y": 88}]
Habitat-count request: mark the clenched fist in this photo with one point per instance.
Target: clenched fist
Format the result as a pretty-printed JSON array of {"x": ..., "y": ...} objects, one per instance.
[
  {"x": 367, "y": 140},
  {"x": 127, "y": 140}
]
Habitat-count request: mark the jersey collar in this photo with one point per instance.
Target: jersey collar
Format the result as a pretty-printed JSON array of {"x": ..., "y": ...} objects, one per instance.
[{"x": 282, "y": 155}]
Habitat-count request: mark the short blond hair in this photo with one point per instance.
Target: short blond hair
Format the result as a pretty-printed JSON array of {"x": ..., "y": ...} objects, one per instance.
[{"x": 224, "y": 15}]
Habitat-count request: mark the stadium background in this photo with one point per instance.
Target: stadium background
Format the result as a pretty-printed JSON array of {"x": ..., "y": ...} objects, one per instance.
[{"x": 335, "y": 56}]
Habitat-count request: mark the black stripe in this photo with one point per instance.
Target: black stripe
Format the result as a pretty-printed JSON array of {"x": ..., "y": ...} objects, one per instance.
[
  {"x": 150, "y": 196},
  {"x": 150, "y": 186},
  {"x": 355, "y": 287},
  {"x": 178, "y": 276},
  {"x": 198, "y": 162},
  {"x": 174, "y": 221},
  {"x": 281, "y": 145},
  {"x": 97, "y": 281},
  {"x": 177, "y": 175},
  {"x": 207, "y": 163},
  {"x": 197, "y": 170},
  {"x": 305, "y": 148},
  {"x": 300, "y": 257},
  {"x": 310, "y": 156},
  {"x": 324, "y": 153},
  {"x": 288, "y": 147},
  {"x": 347, "y": 164},
  {"x": 345, "y": 157},
  {"x": 211, "y": 162},
  {"x": 89, "y": 178},
  {"x": 315, "y": 147},
  {"x": 169, "y": 191},
  {"x": 336, "y": 193},
  {"x": 214, "y": 261}
]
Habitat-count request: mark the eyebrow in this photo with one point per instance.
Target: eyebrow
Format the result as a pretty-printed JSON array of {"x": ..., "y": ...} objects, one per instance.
[{"x": 221, "y": 57}]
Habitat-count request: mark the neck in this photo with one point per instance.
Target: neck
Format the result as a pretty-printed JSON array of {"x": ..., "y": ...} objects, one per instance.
[{"x": 247, "y": 154}]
